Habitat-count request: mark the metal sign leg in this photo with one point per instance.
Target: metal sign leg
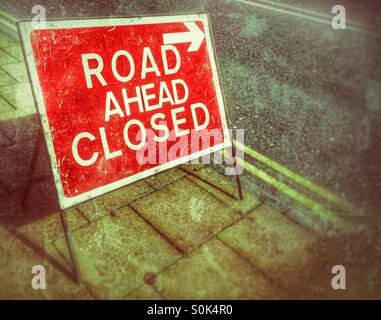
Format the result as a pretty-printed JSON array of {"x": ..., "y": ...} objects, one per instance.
[
  {"x": 237, "y": 178},
  {"x": 239, "y": 187},
  {"x": 69, "y": 242}
]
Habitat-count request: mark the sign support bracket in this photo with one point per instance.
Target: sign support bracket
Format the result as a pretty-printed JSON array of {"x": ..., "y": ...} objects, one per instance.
[
  {"x": 69, "y": 242},
  {"x": 237, "y": 178}
]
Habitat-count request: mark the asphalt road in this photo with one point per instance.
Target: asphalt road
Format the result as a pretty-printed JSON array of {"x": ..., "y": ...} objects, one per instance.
[{"x": 308, "y": 96}]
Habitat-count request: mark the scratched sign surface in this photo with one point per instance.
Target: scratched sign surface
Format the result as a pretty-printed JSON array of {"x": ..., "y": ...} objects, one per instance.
[{"x": 122, "y": 99}]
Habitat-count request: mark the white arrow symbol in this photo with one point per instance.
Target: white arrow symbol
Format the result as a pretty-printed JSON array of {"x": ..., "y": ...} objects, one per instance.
[{"x": 194, "y": 36}]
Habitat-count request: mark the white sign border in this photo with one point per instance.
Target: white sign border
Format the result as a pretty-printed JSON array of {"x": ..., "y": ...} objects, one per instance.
[{"x": 26, "y": 27}]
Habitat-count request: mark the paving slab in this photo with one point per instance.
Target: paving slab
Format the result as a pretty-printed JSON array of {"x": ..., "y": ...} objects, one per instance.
[
  {"x": 45, "y": 230},
  {"x": 61, "y": 287},
  {"x": 192, "y": 166},
  {"x": 17, "y": 260},
  {"x": 6, "y": 79},
  {"x": 5, "y": 106},
  {"x": 145, "y": 292},
  {"x": 19, "y": 125},
  {"x": 103, "y": 205},
  {"x": 218, "y": 179},
  {"x": 185, "y": 213},
  {"x": 41, "y": 191},
  {"x": 281, "y": 249},
  {"x": 6, "y": 58},
  {"x": 43, "y": 166},
  {"x": 41, "y": 200},
  {"x": 18, "y": 113},
  {"x": 164, "y": 178},
  {"x": 4, "y": 140},
  {"x": 15, "y": 163},
  {"x": 17, "y": 71},
  {"x": 11, "y": 204},
  {"x": 214, "y": 271},
  {"x": 116, "y": 252},
  {"x": 15, "y": 52},
  {"x": 19, "y": 95},
  {"x": 228, "y": 185},
  {"x": 6, "y": 42},
  {"x": 31, "y": 108}
]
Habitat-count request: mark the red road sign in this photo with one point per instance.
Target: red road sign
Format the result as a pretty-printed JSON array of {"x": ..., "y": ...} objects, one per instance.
[{"x": 121, "y": 99}]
